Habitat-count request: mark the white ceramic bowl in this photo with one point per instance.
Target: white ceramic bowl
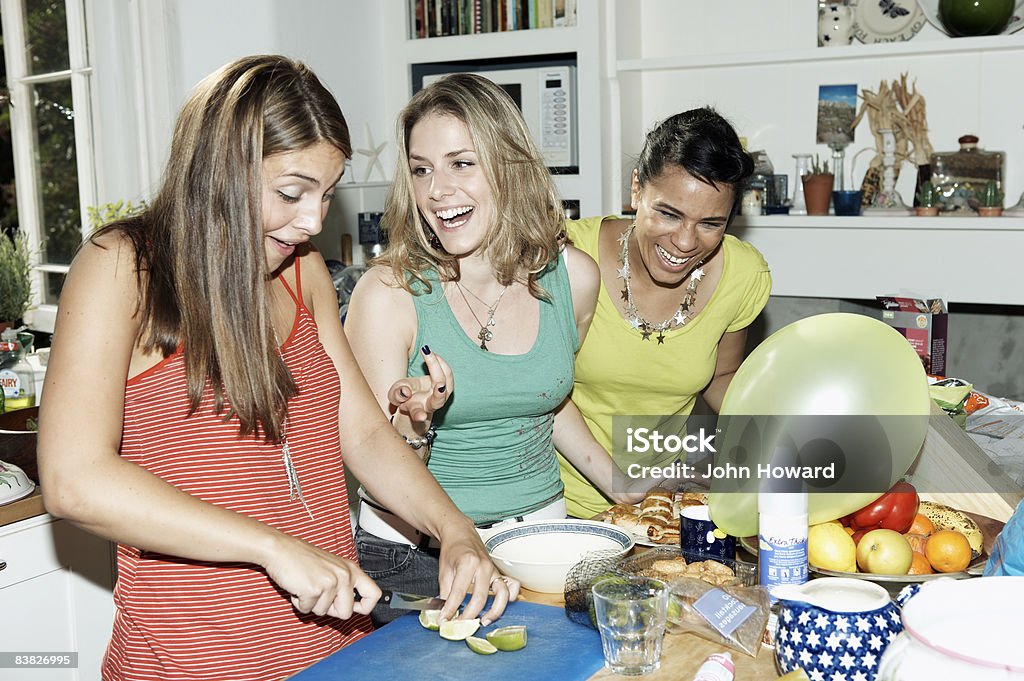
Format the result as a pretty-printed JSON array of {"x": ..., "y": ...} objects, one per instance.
[
  {"x": 540, "y": 553},
  {"x": 959, "y": 629},
  {"x": 14, "y": 484}
]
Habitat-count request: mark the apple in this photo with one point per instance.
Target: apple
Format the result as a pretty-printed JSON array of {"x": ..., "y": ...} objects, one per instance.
[{"x": 884, "y": 552}]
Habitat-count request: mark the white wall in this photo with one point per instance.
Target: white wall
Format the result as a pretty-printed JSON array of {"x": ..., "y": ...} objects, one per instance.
[
  {"x": 336, "y": 39},
  {"x": 150, "y": 53}
]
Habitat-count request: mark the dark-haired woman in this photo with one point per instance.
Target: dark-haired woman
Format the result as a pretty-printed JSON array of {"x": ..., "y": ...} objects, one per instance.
[{"x": 677, "y": 292}]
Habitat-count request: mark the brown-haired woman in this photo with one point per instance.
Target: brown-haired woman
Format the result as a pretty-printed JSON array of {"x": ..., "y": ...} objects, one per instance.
[{"x": 203, "y": 428}]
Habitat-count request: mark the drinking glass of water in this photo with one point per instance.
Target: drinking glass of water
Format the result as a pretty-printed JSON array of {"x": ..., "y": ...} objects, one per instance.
[{"x": 630, "y": 614}]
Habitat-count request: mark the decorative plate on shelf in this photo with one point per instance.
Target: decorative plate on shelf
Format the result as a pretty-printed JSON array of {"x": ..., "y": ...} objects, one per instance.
[
  {"x": 931, "y": 12},
  {"x": 887, "y": 21}
]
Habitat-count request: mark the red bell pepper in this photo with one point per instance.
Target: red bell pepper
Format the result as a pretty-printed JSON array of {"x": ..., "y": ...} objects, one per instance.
[{"x": 894, "y": 510}]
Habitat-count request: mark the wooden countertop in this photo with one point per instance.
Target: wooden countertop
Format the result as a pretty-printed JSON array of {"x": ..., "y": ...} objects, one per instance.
[
  {"x": 682, "y": 654},
  {"x": 28, "y": 507}
]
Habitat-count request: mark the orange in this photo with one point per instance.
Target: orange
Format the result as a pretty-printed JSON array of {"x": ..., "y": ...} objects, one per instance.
[
  {"x": 920, "y": 565},
  {"x": 948, "y": 551},
  {"x": 921, "y": 525},
  {"x": 917, "y": 542}
]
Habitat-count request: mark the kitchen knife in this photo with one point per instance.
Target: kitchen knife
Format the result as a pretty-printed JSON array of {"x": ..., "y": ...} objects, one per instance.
[{"x": 404, "y": 601}]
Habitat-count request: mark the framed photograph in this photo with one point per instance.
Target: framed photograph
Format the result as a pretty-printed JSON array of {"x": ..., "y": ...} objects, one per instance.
[{"x": 837, "y": 107}]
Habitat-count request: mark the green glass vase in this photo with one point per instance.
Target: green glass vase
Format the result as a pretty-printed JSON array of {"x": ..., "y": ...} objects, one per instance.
[{"x": 975, "y": 17}]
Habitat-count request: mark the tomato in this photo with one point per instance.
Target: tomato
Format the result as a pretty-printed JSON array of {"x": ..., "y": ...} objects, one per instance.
[{"x": 894, "y": 510}]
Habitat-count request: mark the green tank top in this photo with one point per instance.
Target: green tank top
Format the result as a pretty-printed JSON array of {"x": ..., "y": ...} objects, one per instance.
[{"x": 494, "y": 454}]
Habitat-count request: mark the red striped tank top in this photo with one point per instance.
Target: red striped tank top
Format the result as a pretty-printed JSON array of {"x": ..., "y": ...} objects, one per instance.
[{"x": 186, "y": 619}]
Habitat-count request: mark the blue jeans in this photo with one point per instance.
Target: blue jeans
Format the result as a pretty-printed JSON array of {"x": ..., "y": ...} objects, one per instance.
[{"x": 396, "y": 566}]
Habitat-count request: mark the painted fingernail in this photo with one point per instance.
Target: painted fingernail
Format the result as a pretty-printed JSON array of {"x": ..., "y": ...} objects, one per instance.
[
  {"x": 425, "y": 349},
  {"x": 441, "y": 389}
]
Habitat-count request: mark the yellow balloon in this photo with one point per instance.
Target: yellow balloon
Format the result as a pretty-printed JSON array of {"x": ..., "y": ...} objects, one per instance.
[{"x": 831, "y": 364}]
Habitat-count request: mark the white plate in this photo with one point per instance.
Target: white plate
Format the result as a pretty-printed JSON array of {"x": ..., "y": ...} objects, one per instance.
[
  {"x": 887, "y": 21},
  {"x": 931, "y": 11}
]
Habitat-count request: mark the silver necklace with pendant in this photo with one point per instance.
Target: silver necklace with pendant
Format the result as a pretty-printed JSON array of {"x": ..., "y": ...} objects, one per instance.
[
  {"x": 294, "y": 487},
  {"x": 633, "y": 316},
  {"x": 485, "y": 334}
]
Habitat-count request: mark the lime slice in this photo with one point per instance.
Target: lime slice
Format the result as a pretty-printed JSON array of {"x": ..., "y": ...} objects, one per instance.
[
  {"x": 479, "y": 645},
  {"x": 508, "y": 638},
  {"x": 429, "y": 619},
  {"x": 459, "y": 630}
]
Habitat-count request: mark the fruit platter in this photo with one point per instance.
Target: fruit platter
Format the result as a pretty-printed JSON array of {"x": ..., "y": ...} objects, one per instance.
[{"x": 899, "y": 539}]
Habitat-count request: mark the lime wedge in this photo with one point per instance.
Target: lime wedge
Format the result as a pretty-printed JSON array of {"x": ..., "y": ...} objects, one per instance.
[
  {"x": 459, "y": 630},
  {"x": 429, "y": 619},
  {"x": 479, "y": 645},
  {"x": 508, "y": 638}
]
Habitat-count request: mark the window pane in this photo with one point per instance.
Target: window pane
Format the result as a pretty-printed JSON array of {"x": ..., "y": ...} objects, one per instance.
[
  {"x": 57, "y": 171},
  {"x": 46, "y": 36},
  {"x": 54, "y": 282}
]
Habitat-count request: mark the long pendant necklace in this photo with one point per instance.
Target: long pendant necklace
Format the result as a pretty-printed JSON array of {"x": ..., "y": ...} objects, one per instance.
[
  {"x": 485, "y": 333},
  {"x": 633, "y": 316},
  {"x": 294, "y": 488}
]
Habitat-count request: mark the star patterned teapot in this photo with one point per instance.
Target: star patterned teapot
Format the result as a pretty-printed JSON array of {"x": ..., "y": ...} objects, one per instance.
[{"x": 834, "y": 627}]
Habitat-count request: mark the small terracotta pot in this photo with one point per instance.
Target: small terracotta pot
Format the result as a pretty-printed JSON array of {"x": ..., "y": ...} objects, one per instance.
[
  {"x": 990, "y": 211},
  {"x": 818, "y": 193},
  {"x": 927, "y": 211}
]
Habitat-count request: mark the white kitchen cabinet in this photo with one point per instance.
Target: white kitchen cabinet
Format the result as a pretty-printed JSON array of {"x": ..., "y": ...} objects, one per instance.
[{"x": 55, "y": 596}]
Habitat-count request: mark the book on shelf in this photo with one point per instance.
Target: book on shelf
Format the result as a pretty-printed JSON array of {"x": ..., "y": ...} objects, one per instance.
[{"x": 440, "y": 18}]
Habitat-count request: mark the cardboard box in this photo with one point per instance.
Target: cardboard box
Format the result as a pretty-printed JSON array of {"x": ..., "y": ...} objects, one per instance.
[{"x": 924, "y": 323}]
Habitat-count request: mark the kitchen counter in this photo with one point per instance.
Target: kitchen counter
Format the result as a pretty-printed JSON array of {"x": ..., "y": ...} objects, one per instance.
[
  {"x": 18, "y": 446},
  {"x": 28, "y": 507}
]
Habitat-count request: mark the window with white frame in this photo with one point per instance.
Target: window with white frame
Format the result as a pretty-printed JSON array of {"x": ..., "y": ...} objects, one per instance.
[{"x": 46, "y": 155}]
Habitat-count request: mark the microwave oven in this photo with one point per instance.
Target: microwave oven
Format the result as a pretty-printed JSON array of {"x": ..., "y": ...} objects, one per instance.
[{"x": 546, "y": 97}]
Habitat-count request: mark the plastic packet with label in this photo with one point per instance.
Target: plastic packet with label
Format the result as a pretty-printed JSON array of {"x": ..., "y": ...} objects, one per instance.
[{"x": 734, "y": 616}]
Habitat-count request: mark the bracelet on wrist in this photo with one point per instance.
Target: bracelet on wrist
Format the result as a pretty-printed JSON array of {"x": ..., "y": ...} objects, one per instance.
[{"x": 425, "y": 441}]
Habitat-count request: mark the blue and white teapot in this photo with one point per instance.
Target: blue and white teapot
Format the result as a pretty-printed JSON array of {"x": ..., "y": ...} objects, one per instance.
[{"x": 834, "y": 627}]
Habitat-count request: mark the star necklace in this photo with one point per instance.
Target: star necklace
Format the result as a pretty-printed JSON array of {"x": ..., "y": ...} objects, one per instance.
[
  {"x": 485, "y": 333},
  {"x": 633, "y": 316}
]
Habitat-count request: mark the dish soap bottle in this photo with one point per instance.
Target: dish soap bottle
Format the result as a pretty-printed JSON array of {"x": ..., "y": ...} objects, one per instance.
[{"x": 16, "y": 376}]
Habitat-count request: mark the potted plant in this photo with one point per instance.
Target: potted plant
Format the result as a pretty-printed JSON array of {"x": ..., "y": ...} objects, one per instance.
[
  {"x": 818, "y": 187},
  {"x": 991, "y": 201},
  {"x": 927, "y": 203},
  {"x": 15, "y": 278}
]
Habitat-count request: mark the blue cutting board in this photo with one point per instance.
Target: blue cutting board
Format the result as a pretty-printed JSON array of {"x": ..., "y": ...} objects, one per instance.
[{"x": 403, "y": 650}]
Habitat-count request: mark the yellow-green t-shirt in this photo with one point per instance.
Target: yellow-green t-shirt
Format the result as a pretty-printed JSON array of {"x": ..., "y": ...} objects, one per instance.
[{"x": 619, "y": 373}]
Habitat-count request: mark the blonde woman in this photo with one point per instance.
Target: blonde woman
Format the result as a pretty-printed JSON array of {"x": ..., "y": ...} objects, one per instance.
[{"x": 476, "y": 270}]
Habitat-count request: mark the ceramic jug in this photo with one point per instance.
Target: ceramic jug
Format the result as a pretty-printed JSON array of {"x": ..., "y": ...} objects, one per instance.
[
  {"x": 959, "y": 629},
  {"x": 834, "y": 627},
  {"x": 835, "y": 25}
]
